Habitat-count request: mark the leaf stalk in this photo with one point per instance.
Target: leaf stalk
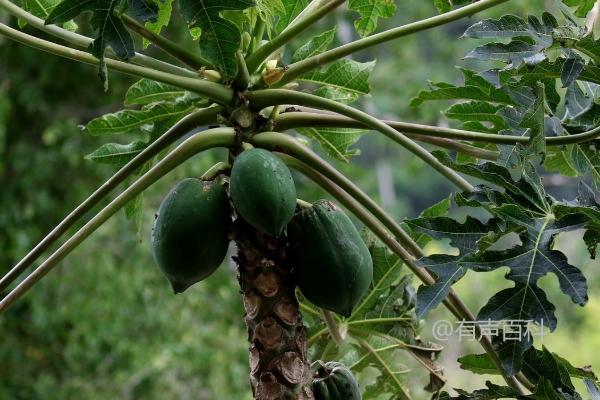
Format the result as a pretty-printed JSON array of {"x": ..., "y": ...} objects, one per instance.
[
  {"x": 84, "y": 41},
  {"x": 296, "y": 119},
  {"x": 193, "y": 120},
  {"x": 213, "y": 90},
  {"x": 263, "y": 52},
  {"x": 190, "y": 59},
  {"x": 269, "y": 97},
  {"x": 218, "y": 137}
]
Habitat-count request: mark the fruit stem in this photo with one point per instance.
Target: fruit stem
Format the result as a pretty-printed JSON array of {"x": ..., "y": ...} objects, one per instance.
[
  {"x": 303, "y": 204},
  {"x": 332, "y": 326},
  {"x": 216, "y": 170},
  {"x": 198, "y": 118},
  {"x": 242, "y": 80}
]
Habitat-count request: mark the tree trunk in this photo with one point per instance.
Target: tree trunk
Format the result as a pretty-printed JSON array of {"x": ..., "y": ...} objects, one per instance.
[{"x": 279, "y": 368}]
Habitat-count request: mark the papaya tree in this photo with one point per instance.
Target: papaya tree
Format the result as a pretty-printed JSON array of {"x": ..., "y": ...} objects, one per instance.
[{"x": 324, "y": 301}]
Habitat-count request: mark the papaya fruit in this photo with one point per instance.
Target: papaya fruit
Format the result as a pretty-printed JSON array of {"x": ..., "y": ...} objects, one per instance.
[
  {"x": 332, "y": 263},
  {"x": 262, "y": 190},
  {"x": 334, "y": 381},
  {"x": 190, "y": 233}
]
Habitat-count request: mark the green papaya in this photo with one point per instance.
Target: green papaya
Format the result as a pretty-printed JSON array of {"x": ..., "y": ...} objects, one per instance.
[
  {"x": 333, "y": 264},
  {"x": 190, "y": 233},
  {"x": 262, "y": 190},
  {"x": 334, "y": 381}
]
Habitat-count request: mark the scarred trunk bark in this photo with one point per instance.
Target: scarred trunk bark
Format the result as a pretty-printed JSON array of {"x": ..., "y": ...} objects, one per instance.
[{"x": 279, "y": 367}]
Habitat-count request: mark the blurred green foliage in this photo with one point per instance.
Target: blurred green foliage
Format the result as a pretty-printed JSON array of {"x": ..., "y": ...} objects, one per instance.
[{"x": 105, "y": 324}]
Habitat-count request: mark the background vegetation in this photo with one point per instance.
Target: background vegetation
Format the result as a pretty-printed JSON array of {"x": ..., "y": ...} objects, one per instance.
[{"x": 105, "y": 325}]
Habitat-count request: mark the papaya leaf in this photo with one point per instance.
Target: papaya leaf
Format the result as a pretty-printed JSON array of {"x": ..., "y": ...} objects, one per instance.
[
  {"x": 370, "y": 11},
  {"x": 492, "y": 392},
  {"x": 133, "y": 120},
  {"x": 548, "y": 371},
  {"x": 529, "y": 39},
  {"x": 344, "y": 81},
  {"x": 463, "y": 236},
  {"x": 42, "y": 9},
  {"x": 348, "y": 75},
  {"x": 268, "y": 10},
  {"x": 146, "y": 91},
  {"x": 116, "y": 154},
  {"x": 511, "y": 26},
  {"x": 523, "y": 192},
  {"x": 220, "y": 37},
  {"x": 572, "y": 67},
  {"x": 315, "y": 45},
  {"x": 516, "y": 53},
  {"x": 446, "y": 268},
  {"x": 474, "y": 88},
  {"x": 477, "y": 111},
  {"x": 576, "y": 103},
  {"x": 109, "y": 30},
  {"x": 585, "y": 158},
  {"x": 292, "y": 8},
  {"x": 443, "y": 6},
  {"x": 438, "y": 209},
  {"x": 165, "y": 10},
  {"x": 447, "y": 272},
  {"x": 534, "y": 121},
  {"x": 590, "y": 45},
  {"x": 522, "y": 207},
  {"x": 335, "y": 141},
  {"x": 387, "y": 382},
  {"x": 583, "y": 6},
  {"x": 345, "y": 75}
]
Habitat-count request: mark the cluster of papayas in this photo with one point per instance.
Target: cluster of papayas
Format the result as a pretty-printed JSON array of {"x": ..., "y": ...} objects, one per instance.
[
  {"x": 334, "y": 381},
  {"x": 190, "y": 238}
]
